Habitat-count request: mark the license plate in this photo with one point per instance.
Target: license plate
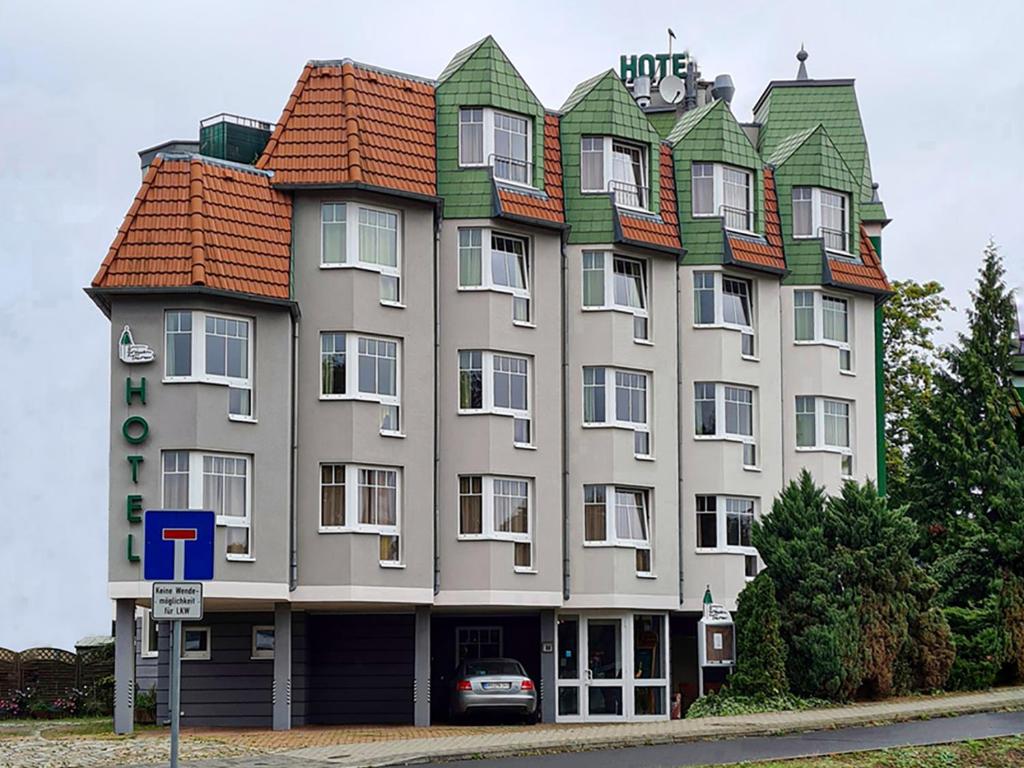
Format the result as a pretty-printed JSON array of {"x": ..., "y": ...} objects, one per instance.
[{"x": 497, "y": 686}]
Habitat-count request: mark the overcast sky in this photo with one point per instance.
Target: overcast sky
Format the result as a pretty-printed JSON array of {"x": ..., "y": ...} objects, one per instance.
[{"x": 84, "y": 86}]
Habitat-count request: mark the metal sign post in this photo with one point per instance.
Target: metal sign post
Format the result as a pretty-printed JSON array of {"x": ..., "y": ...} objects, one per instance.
[{"x": 170, "y": 537}]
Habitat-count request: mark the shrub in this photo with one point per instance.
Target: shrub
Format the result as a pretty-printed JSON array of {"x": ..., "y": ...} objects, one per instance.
[
  {"x": 9, "y": 708},
  {"x": 760, "y": 652},
  {"x": 932, "y": 652},
  {"x": 726, "y": 702},
  {"x": 978, "y": 650},
  {"x": 1011, "y": 615}
]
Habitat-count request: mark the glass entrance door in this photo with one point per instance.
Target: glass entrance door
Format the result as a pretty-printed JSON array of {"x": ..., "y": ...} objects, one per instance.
[{"x": 604, "y": 669}]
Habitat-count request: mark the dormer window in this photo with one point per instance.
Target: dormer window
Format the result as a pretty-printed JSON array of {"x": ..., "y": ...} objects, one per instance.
[
  {"x": 500, "y": 140},
  {"x": 822, "y": 213},
  {"x": 726, "y": 192},
  {"x": 611, "y": 165}
]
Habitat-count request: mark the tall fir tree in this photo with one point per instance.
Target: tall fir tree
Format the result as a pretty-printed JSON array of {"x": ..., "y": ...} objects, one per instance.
[
  {"x": 965, "y": 485},
  {"x": 760, "y": 652}
]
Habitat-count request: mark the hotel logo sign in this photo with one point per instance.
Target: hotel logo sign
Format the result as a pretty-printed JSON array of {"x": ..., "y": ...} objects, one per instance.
[
  {"x": 131, "y": 353},
  {"x": 652, "y": 65}
]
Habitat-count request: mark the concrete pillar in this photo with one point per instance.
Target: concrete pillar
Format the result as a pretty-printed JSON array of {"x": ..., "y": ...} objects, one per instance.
[
  {"x": 421, "y": 683},
  {"x": 282, "y": 691},
  {"x": 124, "y": 666},
  {"x": 548, "y": 667}
]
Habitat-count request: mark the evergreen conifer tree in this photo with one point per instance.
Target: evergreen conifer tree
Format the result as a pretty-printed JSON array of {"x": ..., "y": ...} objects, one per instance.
[{"x": 760, "y": 652}]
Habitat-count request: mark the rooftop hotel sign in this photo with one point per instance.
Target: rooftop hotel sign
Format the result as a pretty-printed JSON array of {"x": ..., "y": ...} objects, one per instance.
[{"x": 652, "y": 65}]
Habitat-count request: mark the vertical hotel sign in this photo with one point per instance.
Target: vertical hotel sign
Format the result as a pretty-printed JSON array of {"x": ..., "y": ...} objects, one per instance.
[{"x": 134, "y": 430}]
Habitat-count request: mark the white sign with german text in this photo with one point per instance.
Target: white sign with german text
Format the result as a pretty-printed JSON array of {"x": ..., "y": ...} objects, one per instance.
[{"x": 177, "y": 600}]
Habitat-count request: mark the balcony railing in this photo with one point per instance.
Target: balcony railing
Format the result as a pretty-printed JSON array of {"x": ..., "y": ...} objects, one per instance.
[
  {"x": 737, "y": 218},
  {"x": 835, "y": 240},
  {"x": 511, "y": 169},
  {"x": 627, "y": 195}
]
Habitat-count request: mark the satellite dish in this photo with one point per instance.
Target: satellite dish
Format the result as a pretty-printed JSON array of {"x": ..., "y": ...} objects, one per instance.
[{"x": 671, "y": 89}]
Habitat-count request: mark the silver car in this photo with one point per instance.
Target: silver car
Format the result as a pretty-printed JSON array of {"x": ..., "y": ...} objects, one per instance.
[{"x": 493, "y": 685}]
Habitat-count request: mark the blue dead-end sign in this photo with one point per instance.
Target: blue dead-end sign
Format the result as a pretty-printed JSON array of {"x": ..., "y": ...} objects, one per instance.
[{"x": 166, "y": 529}]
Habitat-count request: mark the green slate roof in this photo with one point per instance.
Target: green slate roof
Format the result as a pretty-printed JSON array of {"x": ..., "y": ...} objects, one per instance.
[
  {"x": 580, "y": 91},
  {"x": 789, "y": 107},
  {"x": 461, "y": 58},
  {"x": 687, "y": 122},
  {"x": 791, "y": 144}
]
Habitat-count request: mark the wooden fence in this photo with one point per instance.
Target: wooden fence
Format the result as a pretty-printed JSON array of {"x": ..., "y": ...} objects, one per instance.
[{"x": 52, "y": 672}]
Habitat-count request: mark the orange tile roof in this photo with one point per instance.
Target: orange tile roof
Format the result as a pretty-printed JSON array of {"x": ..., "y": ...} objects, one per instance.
[
  {"x": 347, "y": 124},
  {"x": 200, "y": 222},
  {"x": 761, "y": 252},
  {"x": 867, "y": 276},
  {"x": 548, "y": 207},
  {"x": 661, "y": 231}
]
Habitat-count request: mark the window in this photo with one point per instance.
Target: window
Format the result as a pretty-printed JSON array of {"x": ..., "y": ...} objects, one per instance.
[
  {"x": 362, "y": 499},
  {"x": 622, "y": 288},
  {"x": 724, "y": 191},
  {"x": 720, "y": 300},
  {"x": 824, "y": 424},
  {"x": 498, "y": 139},
  {"x": 375, "y": 377},
  {"x": 263, "y": 642},
  {"x": 213, "y": 349},
  {"x": 727, "y": 520},
  {"x": 215, "y": 481},
  {"x": 497, "y": 508},
  {"x": 478, "y": 643},
  {"x": 491, "y": 382},
  {"x": 822, "y": 213},
  {"x": 724, "y": 411},
  {"x": 195, "y": 643},
  {"x": 627, "y": 409},
  {"x": 149, "y": 636},
  {"x": 492, "y": 261},
  {"x": 355, "y": 235},
  {"x": 623, "y": 165},
  {"x": 618, "y": 516},
  {"x": 819, "y": 318}
]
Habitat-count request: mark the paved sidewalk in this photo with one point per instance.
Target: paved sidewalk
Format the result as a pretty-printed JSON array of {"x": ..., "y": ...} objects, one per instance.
[{"x": 499, "y": 742}]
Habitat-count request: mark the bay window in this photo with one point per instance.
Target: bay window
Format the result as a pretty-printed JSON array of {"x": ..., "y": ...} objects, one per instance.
[
  {"x": 215, "y": 481},
  {"x": 620, "y": 517},
  {"x": 363, "y": 499},
  {"x": 726, "y": 412},
  {"x": 354, "y": 366},
  {"x": 612, "y": 282},
  {"x": 819, "y": 318},
  {"x": 726, "y": 192},
  {"x": 501, "y": 140},
  {"x": 213, "y": 349},
  {"x": 496, "y": 262},
  {"x": 626, "y": 406},
  {"x": 725, "y": 522},
  {"x": 610, "y": 165},
  {"x": 824, "y": 424},
  {"x": 498, "y": 508},
  {"x": 725, "y": 301},
  {"x": 364, "y": 237},
  {"x": 491, "y": 382},
  {"x": 822, "y": 213}
]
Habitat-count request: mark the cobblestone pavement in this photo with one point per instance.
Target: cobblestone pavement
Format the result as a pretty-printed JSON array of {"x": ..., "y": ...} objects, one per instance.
[{"x": 352, "y": 747}]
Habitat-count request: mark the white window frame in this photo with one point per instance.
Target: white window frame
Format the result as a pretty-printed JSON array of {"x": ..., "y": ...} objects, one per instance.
[
  {"x": 353, "y": 258},
  {"x": 352, "y": 524},
  {"x": 196, "y": 655},
  {"x": 719, "y": 319},
  {"x": 198, "y": 344},
  {"x": 720, "y": 421},
  {"x": 611, "y": 537},
  {"x": 488, "y": 143},
  {"x": 487, "y": 394},
  {"x": 722, "y": 523},
  {"x": 718, "y": 177},
  {"x": 488, "y": 529},
  {"x": 818, "y": 309},
  {"x": 487, "y": 282},
  {"x": 820, "y": 445},
  {"x": 817, "y": 226},
  {"x": 195, "y": 492},
  {"x": 608, "y": 259},
  {"x": 608, "y": 166},
  {"x": 352, "y": 392},
  {"x": 146, "y": 651},
  {"x": 611, "y": 405},
  {"x": 257, "y": 653}
]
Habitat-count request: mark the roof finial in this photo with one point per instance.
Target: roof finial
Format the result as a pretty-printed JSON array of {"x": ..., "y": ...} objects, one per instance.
[{"x": 801, "y": 56}]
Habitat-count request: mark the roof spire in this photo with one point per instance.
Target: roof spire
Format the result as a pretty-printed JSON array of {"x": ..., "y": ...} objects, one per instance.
[{"x": 801, "y": 56}]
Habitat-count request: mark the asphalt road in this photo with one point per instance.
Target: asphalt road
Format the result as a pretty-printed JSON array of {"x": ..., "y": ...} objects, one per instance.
[{"x": 938, "y": 731}]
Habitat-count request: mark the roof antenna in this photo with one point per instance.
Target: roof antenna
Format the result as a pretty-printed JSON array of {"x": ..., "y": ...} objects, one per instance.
[{"x": 801, "y": 56}]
